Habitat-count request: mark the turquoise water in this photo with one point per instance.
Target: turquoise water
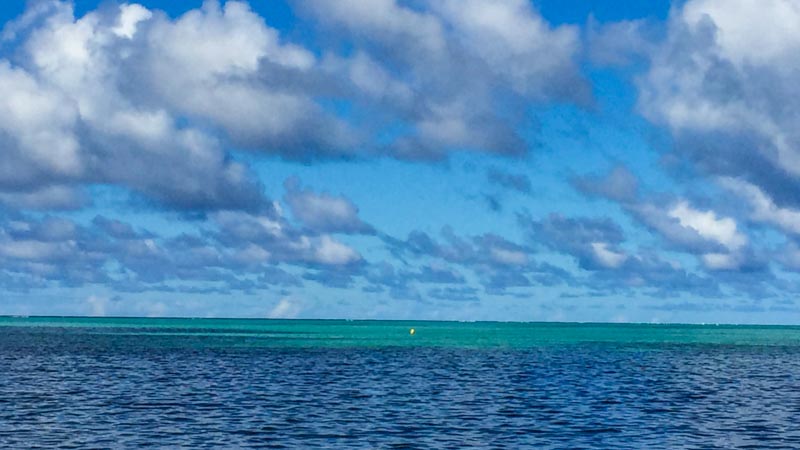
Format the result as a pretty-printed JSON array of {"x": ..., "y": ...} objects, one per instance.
[
  {"x": 341, "y": 333},
  {"x": 213, "y": 383}
]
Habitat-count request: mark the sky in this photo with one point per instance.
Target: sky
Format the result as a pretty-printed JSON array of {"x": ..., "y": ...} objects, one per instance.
[{"x": 506, "y": 160}]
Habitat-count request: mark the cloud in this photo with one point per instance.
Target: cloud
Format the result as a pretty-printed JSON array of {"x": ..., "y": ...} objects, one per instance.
[
  {"x": 268, "y": 237},
  {"x": 498, "y": 263},
  {"x": 763, "y": 208},
  {"x": 460, "y": 294},
  {"x": 232, "y": 250},
  {"x": 75, "y": 114},
  {"x": 384, "y": 275},
  {"x": 716, "y": 240},
  {"x": 441, "y": 70},
  {"x": 619, "y": 185},
  {"x": 323, "y": 212},
  {"x": 54, "y": 197},
  {"x": 332, "y": 252},
  {"x": 286, "y": 308},
  {"x": 223, "y": 64},
  {"x": 487, "y": 249},
  {"x": 606, "y": 257},
  {"x": 723, "y": 81},
  {"x": 128, "y": 96},
  {"x": 516, "y": 182},
  {"x": 438, "y": 274},
  {"x": 709, "y": 226},
  {"x": 595, "y": 243},
  {"x": 620, "y": 43}
]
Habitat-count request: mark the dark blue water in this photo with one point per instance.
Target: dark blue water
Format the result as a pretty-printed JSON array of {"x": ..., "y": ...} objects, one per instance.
[{"x": 78, "y": 387}]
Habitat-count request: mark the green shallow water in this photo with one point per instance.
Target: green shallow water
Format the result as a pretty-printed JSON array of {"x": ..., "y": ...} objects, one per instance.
[{"x": 368, "y": 333}]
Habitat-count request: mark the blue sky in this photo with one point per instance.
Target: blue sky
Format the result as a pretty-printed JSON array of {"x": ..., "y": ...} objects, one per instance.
[{"x": 391, "y": 159}]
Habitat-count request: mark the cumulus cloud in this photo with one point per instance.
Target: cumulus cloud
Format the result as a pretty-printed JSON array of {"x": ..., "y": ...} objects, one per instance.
[
  {"x": 499, "y": 264},
  {"x": 232, "y": 251},
  {"x": 724, "y": 82},
  {"x": 128, "y": 96},
  {"x": 716, "y": 240},
  {"x": 722, "y": 230},
  {"x": 606, "y": 257},
  {"x": 482, "y": 250},
  {"x": 268, "y": 237},
  {"x": 763, "y": 208},
  {"x": 323, "y": 212},
  {"x": 595, "y": 243},
  {"x": 75, "y": 114},
  {"x": 441, "y": 69},
  {"x": 223, "y": 64}
]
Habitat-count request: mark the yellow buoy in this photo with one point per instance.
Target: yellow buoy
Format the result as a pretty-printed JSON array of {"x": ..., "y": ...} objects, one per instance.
[{"x": 412, "y": 331}]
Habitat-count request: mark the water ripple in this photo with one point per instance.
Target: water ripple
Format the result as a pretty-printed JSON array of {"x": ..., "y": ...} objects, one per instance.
[{"x": 121, "y": 391}]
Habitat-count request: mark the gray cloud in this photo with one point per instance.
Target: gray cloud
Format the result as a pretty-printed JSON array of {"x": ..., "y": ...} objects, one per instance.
[
  {"x": 324, "y": 212},
  {"x": 461, "y": 294},
  {"x": 233, "y": 250},
  {"x": 513, "y": 181},
  {"x": 727, "y": 90},
  {"x": 595, "y": 243},
  {"x": 130, "y": 97},
  {"x": 717, "y": 240},
  {"x": 440, "y": 70},
  {"x": 498, "y": 263}
]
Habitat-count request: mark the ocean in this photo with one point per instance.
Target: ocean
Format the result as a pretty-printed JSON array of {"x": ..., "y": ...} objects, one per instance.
[{"x": 214, "y": 383}]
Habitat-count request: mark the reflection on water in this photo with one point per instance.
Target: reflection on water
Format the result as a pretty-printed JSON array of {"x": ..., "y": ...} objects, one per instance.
[{"x": 82, "y": 387}]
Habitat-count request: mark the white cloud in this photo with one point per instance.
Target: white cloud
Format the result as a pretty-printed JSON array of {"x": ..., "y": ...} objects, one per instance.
[
  {"x": 208, "y": 64},
  {"x": 270, "y": 236},
  {"x": 763, "y": 207},
  {"x": 73, "y": 121},
  {"x": 332, "y": 252},
  {"x": 722, "y": 230},
  {"x": 512, "y": 39},
  {"x": 38, "y": 124},
  {"x": 286, "y": 308},
  {"x": 749, "y": 31},
  {"x": 721, "y": 261},
  {"x": 510, "y": 257},
  {"x": 606, "y": 257},
  {"x": 724, "y": 81},
  {"x": 104, "y": 98},
  {"x": 129, "y": 96},
  {"x": 129, "y": 18},
  {"x": 707, "y": 224}
]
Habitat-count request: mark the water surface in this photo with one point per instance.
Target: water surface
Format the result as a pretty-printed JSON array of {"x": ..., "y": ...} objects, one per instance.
[{"x": 121, "y": 383}]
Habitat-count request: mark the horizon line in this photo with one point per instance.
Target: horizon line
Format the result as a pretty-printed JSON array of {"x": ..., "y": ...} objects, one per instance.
[{"x": 699, "y": 324}]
